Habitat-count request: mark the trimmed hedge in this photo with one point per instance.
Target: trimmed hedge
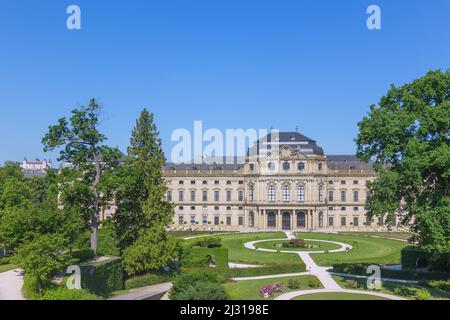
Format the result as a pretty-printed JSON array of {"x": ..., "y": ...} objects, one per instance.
[
  {"x": 267, "y": 270},
  {"x": 146, "y": 280},
  {"x": 83, "y": 255},
  {"x": 53, "y": 292},
  {"x": 200, "y": 257},
  {"x": 361, "y": 270},
  {"x": 409, "y": 257},
  {"x": 103, "y": 278}
]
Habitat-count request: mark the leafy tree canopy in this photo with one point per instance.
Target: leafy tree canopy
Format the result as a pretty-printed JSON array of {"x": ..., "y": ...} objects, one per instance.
[{"x": 407, "y": 137}]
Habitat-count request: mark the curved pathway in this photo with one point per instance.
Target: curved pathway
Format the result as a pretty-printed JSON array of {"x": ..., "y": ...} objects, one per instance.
[
  {"x": 11, "y": 285},
  {"x": 322, "y": 273},
  {"x": 145, "y": 293}
]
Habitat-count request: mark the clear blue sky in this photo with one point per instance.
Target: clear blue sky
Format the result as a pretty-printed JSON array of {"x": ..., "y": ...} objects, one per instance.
[{"x": 231, "y": 63}]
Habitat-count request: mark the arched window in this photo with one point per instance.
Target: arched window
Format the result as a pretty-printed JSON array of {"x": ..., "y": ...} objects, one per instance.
[
  {"x": 286, "y": 166},
  {"x": 301, "y": 194},
  {"x": 251, "y": 193},
  {"x": 286, "y": 193},
  {"x": 301, "y": 166},
  {"x": 271, "y": 193},
  {"x": 320, "y": 166}
]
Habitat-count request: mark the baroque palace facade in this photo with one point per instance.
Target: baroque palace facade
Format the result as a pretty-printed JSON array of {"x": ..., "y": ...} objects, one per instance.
[{"x": 285, "y": 183}]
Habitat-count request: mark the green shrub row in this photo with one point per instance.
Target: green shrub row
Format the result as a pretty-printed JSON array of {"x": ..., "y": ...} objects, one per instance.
[
  {"x": 361, "y": 270},
  {"x": 83, "y": 255},
  {"x": 147, "y": 280},
  {"x": 200, "y": 257},
  {"x": 267, "y": 270},
  {"x": 208, "y": 242},
  {"x": 53, "y": 292},
  {"x": 198, "y": 285},
  {"x": 103, "y": 278},
  {"x": 413, "y": 292}
]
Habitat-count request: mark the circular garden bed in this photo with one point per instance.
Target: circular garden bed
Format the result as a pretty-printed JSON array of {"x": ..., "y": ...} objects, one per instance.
[{"x": 287, "y": 245}]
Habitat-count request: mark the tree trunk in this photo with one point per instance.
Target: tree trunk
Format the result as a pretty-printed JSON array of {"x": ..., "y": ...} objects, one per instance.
[
  {"x": 39, "y": 285},
  {"x": 96, "y": 205}
]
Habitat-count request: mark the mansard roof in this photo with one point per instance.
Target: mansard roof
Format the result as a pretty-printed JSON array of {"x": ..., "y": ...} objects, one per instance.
[
  {"x": 347, "y": 162},
  {"x": 295, "y": 140}
]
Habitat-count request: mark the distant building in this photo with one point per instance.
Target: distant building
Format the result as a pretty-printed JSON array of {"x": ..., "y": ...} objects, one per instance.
[{"x": 36, "y": 168}]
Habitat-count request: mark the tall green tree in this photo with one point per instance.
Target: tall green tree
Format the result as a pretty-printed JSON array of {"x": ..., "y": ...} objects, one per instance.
[
  {"x": 407, "y": 137},
  {"x": 142, "y": 209},
  {"x": 82, "y": 146}
]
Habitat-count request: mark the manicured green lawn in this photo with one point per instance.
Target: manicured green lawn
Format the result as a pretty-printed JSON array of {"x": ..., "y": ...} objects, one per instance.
[
  {"x": 392, "y": 235},
  {"x": 365, "y": 249},
  {"x": 320, "y": 246},
  {"x": 338, "y": 296},
  {"x": 7, "y": 267},
  {"x": 249, "y": 290},
  {"x": 237, "y": 252}
]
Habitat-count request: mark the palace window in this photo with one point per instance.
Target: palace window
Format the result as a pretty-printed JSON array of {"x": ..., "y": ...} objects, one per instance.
[
  {"x": 241, "y": 182},
  {"x": 169, "y": 196},
  {"x": 205, "y": 182},
  {"x": 343, "y": 196},
  {"x": 205, "y": 219},
  {"x": 286, "y": 166},
  {"x": 343, "y": 221},
  {"x": 331, "y": 196},
  {"x": 343, "y": 208},
  {"x": 250, "y": 193},
  {"x": 228, "y": 182},
  {"x": 216, "y": 220},
  {"x": 271, "y": 166},
  {"x": 192, "y": 219},
  {"x": 228, "y": 221},
  {"x": 241, "y": 196},
  {"x": 180, "y": 220},
  {"x": 251, "y": 219},
  {"x": 355, "y": 182},
  {"x": 216, "y": 208},
  {"x": 356, "y": 221},
  {"x": 192, "y": 208},
  {"x": 301, "y": 194},
  {"x": 241, "y": 220},
  {"x": 320, "y": 219},
  {"x": 181, "y": 196},
  {"x": 251, "y": 167},
  {"x": 217, "y": 182},
  {"x": 228, "y": 195},
  {"x": 181, "y": 182},
  {"x": 320, "y": 166},
  {"x": 205, "y": 195},
  {"x": 286, "y": 193},
  {"x": 228, "y": 208},
  {"x": 301, "y": 166},
  {"x": 355, "y": 196},
  {"x": 192, "y": 195},
  {"x": 216, "y": 196},
  {"x": 330, "y": 221},
  {"x": 271, "y": 193},
  {"x": 321, "y": 193},
  {"x": 193, "y": 182},
  {"x": 355, "y": 208}
]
